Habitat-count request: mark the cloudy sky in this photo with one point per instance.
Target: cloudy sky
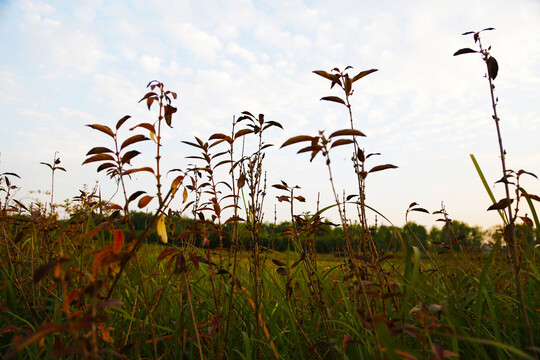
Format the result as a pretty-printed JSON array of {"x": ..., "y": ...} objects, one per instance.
[{"x": 65, "y": 64}]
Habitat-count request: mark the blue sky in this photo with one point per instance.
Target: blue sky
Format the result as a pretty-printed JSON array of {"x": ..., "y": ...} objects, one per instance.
[{"x": 65, "y": 64}]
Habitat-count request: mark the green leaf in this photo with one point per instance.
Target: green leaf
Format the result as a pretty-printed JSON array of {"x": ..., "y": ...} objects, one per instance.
[{"x": 486, "y": 186}]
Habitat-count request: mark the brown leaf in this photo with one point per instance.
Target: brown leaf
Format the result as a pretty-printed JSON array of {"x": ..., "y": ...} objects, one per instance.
[
  {"x": 346, "y": 132},
  {"x": 341, "y": 142},
  {"x": 334, "y": 99},
  {"x": 501, "y": 204},
  {"x": 118, "y": 241},
  {"x": 241, "y": 180},
  {"x": 129, "y": 155},
  {"x": 98, "y": 157},
  {"x": 532, "y": 196},
  {"x": 105, "y": 166},
  {"x": 465, "y": 50},
  {"x": 146, "y": 126},
  {"x": 493, "y": 67},
  {"x": 325, "y": 75},
  {"x": 40, "y": 333},
  {"x": 132, "y": 171},
  {"x": 242, "y": 133},
  {"x": 278, "y": 263},
  {"x": 97, "y": 150},
  {"x": 420, "y": 210},
  {"x": 135, "y": 195},
  {"x": 43, "y": 270},
  {"x": 363, "y": 73},
  {"x": 132, "y": 140},
  {"x": 169, "y": 111},
  {"x": 149, "y": 94},
  {"x": 382, "y": 167},
  {"x": 122, "y": 121},
  {"x": 145, "y": 200},
  {"x": 297, "y": 139},
  {"x": 105, "y": 129},
  {"x": 282, "y": 271}
]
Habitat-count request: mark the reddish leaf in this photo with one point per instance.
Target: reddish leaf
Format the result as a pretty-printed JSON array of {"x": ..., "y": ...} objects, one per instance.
[
  {"x": 282, "y": 271},
  {"x": 169, "y": 111},
  {"x": 41, "y": 332},
  {"x": 99, "y": 259},
  {"x": 149, "y": 94},
  {"x": 105, "y": 129},
  {"x": 118, "y": 241}
]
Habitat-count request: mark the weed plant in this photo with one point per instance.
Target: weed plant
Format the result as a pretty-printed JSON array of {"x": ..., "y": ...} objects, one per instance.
[{"x": 91, "y": 286}]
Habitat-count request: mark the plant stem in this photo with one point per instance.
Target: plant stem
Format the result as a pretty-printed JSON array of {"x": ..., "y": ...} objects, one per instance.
[{"x": 509, "y": 230}]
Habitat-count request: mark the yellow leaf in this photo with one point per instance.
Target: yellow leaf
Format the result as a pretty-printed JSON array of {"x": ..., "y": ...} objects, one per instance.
[
  {"x": 161, "y": 229},
  {"x": 153, "y": 136},
  {"x": 184, "y": 196}
]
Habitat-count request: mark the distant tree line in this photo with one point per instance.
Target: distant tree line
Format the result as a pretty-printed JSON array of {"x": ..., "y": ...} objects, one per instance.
[{"x": 455, "y": 236}]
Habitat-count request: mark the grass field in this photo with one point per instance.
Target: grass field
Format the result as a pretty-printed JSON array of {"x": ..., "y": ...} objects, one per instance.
[{"x": 90, "y": 286}]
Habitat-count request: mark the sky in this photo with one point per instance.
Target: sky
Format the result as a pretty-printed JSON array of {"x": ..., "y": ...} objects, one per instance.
[{"x": 66, "y": 64}]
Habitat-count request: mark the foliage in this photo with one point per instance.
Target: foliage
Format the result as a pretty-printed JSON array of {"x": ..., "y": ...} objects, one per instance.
[{"x": 207, "y": 278}]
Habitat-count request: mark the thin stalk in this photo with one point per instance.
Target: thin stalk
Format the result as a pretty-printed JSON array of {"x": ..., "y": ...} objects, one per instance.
[{"x": 511, "y": 220}]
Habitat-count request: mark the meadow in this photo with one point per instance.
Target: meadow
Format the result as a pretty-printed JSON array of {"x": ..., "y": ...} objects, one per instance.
[{"x": 91, "y": 285}]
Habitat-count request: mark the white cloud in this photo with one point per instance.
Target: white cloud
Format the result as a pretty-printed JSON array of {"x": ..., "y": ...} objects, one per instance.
[{"x": 151, "y": 63}]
